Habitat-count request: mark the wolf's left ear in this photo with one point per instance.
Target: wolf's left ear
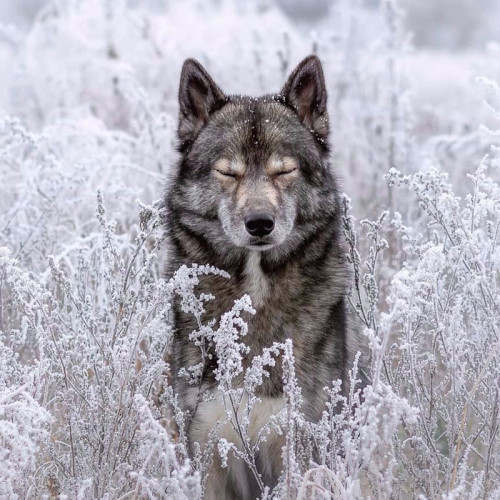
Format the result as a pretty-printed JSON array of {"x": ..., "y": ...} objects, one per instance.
[
  {"x": 199, "y": 96},
  {"x": 305, "y": 91}
]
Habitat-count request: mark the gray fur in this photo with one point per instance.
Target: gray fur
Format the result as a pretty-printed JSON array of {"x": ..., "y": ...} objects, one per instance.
[{"x": 298, "y": 276}]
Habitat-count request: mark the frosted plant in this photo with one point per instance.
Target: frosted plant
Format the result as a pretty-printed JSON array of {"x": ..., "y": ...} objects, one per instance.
[
  {"x": 445, "y": 306},
  {"x": 24, "y": 423},
  {"x": 161, "y": 473},
  {"x": 103, "y": 338}
]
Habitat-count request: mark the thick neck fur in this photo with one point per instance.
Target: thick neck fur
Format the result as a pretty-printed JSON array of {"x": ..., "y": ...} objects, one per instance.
[
  {"x": 255, "y": 272},
  {"x": 299, "y": 295}
]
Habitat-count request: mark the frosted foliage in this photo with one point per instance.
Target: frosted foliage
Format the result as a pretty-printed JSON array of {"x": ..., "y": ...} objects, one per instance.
[{"x": 88, "y": 114}]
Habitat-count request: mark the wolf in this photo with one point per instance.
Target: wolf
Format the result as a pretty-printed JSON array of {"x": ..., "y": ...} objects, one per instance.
[{"x": 254, "y": 194}]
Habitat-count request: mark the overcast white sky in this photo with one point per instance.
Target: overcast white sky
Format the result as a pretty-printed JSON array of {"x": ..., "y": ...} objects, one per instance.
[{"x": 442, "y": 24}]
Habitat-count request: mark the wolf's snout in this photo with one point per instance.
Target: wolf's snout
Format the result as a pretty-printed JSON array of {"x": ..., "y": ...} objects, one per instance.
[{"x": 259, "y": 224}]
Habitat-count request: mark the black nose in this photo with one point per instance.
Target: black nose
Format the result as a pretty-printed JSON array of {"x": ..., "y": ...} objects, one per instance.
[{"x": 259, "y": 224}]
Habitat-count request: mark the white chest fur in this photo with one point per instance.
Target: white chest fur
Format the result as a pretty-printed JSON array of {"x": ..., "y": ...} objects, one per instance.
[{"x": 256, "y": 281}]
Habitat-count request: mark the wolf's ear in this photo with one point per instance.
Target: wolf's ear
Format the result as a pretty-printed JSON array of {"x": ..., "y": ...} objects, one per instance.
[
  {"x": 305, "y": 91},
  {"x": 199, "y": 96}
]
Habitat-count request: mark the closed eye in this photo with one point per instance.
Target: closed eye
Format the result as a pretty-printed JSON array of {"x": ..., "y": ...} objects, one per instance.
[
  {"x": 226, "y": 174},
  {"x": 285, "y": 172}
]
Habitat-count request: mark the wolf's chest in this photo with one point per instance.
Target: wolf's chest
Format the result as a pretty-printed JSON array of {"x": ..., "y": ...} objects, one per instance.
[{"x": 256, "y": 284}]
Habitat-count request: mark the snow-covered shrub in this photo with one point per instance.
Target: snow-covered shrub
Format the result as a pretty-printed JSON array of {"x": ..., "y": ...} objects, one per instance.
[
  {"x": 90, "y": 336},
  {"x": 444, "y": 308},
  {"x": 24, "y": 422}
]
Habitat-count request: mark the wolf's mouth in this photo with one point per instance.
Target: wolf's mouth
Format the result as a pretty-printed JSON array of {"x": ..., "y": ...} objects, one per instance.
[{"x": 260, "y": 245}]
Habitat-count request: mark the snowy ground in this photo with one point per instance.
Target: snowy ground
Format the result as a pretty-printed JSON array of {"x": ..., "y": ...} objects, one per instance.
[{"x": 88, "y": 105}]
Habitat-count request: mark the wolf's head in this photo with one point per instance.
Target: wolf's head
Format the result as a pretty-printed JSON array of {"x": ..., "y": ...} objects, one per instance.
[{"x": 253, "y": 173}]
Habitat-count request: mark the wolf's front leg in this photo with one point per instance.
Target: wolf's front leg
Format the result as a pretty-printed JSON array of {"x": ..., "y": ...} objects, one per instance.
[
  {"x": 237, "y": 481},
  {"x": 222, "y": 483},
  {"x": 230, "y": 483}
]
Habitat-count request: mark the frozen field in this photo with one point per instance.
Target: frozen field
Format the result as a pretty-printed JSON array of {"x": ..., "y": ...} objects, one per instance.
[{"x": 88, "y": 116}]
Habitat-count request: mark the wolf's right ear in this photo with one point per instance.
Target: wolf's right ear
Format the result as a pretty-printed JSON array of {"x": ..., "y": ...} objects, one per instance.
[{"x": 199, "y": 96}]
